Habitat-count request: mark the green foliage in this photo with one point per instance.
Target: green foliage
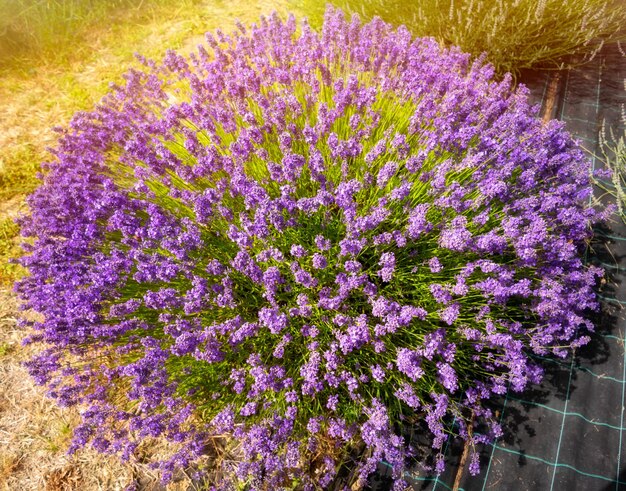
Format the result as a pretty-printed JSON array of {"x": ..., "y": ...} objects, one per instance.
[
  {"x": 17, "y": 170},
  {"x": 5, "y": 349},
  {"x": 9, "y": 272},
  {"x": 17, "y": 177},
  {"x": 515, "y": 34}
]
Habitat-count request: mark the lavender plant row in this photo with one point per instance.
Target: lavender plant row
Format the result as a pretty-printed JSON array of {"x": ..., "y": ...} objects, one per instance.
[{"x": 306, "y": 242}]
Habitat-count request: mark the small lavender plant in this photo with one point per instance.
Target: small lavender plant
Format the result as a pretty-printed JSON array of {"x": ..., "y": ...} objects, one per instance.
[{"x": 302, "y": 240}]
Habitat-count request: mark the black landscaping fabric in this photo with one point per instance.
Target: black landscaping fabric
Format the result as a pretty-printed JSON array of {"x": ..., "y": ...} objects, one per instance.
[{"x": 567, "y": 433}]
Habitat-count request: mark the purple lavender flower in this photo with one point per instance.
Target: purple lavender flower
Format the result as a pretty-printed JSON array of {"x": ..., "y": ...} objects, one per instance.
[
  {"x": 319, "y": 261},
  {"x": 388, "y": 265},
  {"x": 435, "y": 265},
  {"x": 450, "y": 314},
  {"x": 408, "y": 362},
  {"x": 297, "y": 250},
  {"x": 386, "y": 173},
  {"x": 236, "y": 242}
]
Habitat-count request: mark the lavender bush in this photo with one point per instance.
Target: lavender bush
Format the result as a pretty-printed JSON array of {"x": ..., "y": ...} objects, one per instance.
[{"x": 303, "y": 240}]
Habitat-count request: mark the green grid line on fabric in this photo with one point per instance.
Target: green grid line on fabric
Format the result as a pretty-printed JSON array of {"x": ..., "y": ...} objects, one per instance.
[
  {"x": 558, "y": 448},
  {"x": 568, "y": 119},
  {"x": 610, "y": 299},
  {"x": 613, "y": 336},
  {"x": 608, "y": 236},
  {"x": 580, "y": 368},
  {"x": 586, "y": 104},
  {"x": 611, "y": 266},
  {"x": 559, "y": 465},
  {"x": 608, "y": 184},
  {"x": 415, "y": 478},
  {"x": 568, "y": 413},
  {"x": 555, "y": 465},
  {"x": 584, "y": 138}
]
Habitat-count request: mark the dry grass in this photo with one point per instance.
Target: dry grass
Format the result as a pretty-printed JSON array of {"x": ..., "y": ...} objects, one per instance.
[{"x": 35, "y": 433}]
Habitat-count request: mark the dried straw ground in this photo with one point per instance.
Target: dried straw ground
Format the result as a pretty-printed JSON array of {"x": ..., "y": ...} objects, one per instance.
[{"x": 34, "y": 432}]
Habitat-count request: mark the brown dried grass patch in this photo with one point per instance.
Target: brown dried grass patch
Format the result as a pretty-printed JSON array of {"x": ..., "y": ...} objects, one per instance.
[{"x": 36, "y": 432}]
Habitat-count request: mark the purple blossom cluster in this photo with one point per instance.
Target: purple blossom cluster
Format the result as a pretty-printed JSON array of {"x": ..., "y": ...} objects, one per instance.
[{"x": 302, "y": 239}]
